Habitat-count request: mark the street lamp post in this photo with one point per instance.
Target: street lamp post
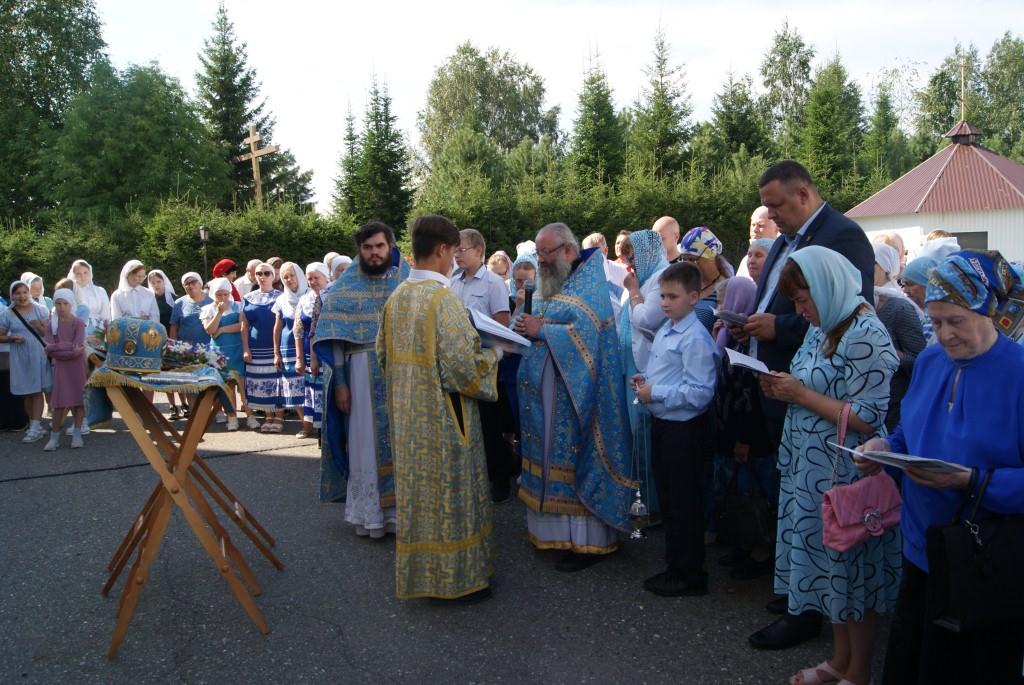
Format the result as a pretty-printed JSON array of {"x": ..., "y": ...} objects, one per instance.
[{"x": 204, "y": 238}]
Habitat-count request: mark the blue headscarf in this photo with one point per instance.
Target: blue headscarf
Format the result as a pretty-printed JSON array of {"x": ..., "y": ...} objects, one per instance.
[
  {"x": 973, "y": 279},
  {"x": 834, "y": 284},
  {"x": 764, "y": 243},
  {"x": 648, "y": 254},
  {"x": 916, "y": 271},
  {"x": 525, "y": 258}
]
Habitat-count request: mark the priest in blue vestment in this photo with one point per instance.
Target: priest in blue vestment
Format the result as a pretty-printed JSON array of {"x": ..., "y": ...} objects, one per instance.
[
  {"x": 575, "y": 428},
  {"x": 355, "y": 461}
]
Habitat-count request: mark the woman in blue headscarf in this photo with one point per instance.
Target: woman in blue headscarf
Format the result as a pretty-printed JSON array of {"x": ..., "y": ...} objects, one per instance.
[
  {"x": 846, "y": 358},
  {"x": 640, "y": 318},
  {"x": 965, "y": 405}
]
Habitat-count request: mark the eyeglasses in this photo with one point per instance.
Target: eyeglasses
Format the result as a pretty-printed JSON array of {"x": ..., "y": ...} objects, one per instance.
[
  {"x": 460, "y": 249},
  {"x": 264, "y": 273},
  {"x": 193, "y": 281},
  {"x": 547, "y": 253}
]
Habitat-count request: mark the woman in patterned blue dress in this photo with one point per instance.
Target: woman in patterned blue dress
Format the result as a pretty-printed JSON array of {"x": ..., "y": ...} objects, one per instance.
[
  {"x": 262, "y": 386},
  {"x": 291, "y": 384},
  {"x": 846, "y": 357},
  {"x": 317, "y": 276}
]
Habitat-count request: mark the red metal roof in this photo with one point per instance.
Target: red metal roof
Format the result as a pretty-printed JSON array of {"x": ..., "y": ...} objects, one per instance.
[{"x": 958, "y": 178}]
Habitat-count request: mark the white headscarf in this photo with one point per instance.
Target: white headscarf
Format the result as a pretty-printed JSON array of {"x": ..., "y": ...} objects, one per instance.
[
  {"x": 338, "y": 261},
  {"x": 122, "y": 283},
  {"x": 186, "y": 277},
  {"x": 69, "y": 297},
  {"x": 888, "y": 258},
  {"x": 329, "y": 257},
  {"x": 290, "y": 298},
  {"x": 27, "y": 278},
  {"x": 217, "y": 285},
  {"x": 91, "y": 295},
  {"x": 169, "y": 294},
  {"x": 319, "y": 266}
]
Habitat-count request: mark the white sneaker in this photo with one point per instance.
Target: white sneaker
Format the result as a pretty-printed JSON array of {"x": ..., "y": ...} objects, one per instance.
[
  {"x": 76, "y": 442},
  {"x": 52, "y": 444},
  {"x": 32, "y": 435},
  {"x": 252, "y": 423},
  {"x": 221, "y": 418},
  {"x": 84, "y": 431},
  {"x": 232, "y": 424}
]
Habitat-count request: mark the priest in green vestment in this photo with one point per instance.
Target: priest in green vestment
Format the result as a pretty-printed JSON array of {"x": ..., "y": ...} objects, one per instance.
[{"x": 435, "y": 371}]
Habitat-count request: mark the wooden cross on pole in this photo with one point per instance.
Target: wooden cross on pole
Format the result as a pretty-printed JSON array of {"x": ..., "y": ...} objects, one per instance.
[{"x": 254, "y": 154}]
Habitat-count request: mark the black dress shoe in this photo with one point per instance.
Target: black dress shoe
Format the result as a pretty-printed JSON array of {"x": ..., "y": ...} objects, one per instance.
[
  {"x": 788, "y": 631},
  {"x": 777, "y": 606},
  {"x": 737, "y": 556},
  {"x": 471, "y": 598},
  {"x": 748, "y": 569},
  {"x": 670, "y": 584},
  {"x": 571, "y": 562}
]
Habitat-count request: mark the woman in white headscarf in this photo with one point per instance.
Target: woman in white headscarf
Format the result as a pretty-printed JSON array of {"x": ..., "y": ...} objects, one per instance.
[
  {"x": 132, "y": 299},
  {"x": 902, "y": 318},
  {"x": 222, "y": 321},
  {"x": 338, "y": 266},
  {"x": 291, "y": 382},
  {"x": 317, "y": 277},
  {"x": 36, "y": 290},
  {"x": 91, "y": 295},
  {"x": 163, "y": 291}
]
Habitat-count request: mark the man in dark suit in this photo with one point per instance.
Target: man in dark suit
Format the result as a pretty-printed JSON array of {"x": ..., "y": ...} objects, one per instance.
[{"x": 776, "y": 331}]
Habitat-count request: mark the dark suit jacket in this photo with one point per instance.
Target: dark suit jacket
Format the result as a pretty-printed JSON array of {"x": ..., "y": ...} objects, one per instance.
[{"x": 829, "y": 229}]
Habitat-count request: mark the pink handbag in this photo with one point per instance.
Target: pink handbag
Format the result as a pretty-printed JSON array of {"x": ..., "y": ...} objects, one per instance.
[{"x": 854, "y": 513}]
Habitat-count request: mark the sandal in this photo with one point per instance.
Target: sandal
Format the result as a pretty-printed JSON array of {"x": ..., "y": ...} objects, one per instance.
[
  {"x": 267, "y": 427},
  {"x": 276, "y": 427},
  {"x": 811, "y": 676}
]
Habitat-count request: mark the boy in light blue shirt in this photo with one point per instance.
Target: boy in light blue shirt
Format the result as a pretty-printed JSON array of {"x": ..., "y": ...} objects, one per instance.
[{"x": 679, "y": 390}]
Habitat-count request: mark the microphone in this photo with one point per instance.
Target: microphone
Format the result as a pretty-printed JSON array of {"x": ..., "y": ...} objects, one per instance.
[{"x": 528, "y": 289}]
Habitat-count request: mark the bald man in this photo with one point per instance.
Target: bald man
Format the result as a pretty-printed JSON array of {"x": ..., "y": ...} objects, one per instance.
[
  {"x": 668, "y": 229},
  {"x": 615, "y": 272},
  {"x": 761, "y": 225}
]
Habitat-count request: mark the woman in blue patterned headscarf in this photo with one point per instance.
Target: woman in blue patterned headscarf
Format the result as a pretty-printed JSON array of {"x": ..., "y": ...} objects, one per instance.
[
  {"x": 646, "y": 257},
  {"x": 963, "y": 406}
]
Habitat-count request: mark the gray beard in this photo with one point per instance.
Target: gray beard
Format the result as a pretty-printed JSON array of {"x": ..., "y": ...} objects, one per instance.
[{"x": 553, "y": 277}]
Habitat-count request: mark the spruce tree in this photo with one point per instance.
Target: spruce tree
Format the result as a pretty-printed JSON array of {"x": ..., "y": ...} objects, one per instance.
[
  {"x": 885, "y": 151},
  {"x": 597, "y": 143},
  {"x": 230, "y": 102},
  {"x": 737, "y": 122},
  {"x": 375, "y": 169},
  {"x": 660, "y": 126},
  {"x": 832, "y": 126}
]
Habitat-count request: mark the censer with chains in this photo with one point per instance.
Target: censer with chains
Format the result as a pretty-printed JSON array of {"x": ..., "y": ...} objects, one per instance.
[{"x": 639, "y": 514}]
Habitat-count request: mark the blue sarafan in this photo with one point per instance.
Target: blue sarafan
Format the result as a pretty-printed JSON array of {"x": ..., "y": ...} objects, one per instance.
[
  {"x": 135, "y": 345},
  {"x": 589, "y": 460}
]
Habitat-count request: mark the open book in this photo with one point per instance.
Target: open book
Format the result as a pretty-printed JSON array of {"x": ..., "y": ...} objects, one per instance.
[
  {"x": 493, "y": 334},
  {"x": 731, "y": 317},
  {"x": 746, "y": 361},
  {"x": 903, "y": 461}
]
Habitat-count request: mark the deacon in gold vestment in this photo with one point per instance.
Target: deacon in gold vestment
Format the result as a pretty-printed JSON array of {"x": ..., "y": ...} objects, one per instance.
[{"x": 435, "y": 370}]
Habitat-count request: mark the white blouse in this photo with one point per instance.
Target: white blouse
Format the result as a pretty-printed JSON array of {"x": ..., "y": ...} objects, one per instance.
[{"x": 137, "y": 303}]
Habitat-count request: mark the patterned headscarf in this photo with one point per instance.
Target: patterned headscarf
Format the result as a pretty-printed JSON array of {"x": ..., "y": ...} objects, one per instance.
[
  {"x": 973, "y": 279},
  {"x": 701, "y": 242},
  {"x": 648, "y": 254},
  {"x": 834, "y": 284}
]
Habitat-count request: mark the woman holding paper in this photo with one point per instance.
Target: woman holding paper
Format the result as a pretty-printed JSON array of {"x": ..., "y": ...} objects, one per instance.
[
  {"x": 965, "y": 405},
  {"x": 846, "y": 357}
]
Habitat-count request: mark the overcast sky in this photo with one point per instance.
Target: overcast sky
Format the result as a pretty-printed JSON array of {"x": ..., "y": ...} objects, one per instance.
[{"x": 314, "y": 58}]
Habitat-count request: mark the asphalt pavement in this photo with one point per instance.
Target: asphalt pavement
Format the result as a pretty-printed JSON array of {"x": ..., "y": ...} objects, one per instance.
[{"x": 332, "y": 611}]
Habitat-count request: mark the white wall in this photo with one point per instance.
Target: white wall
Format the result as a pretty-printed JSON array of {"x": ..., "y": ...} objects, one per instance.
[{"x": 1005, "y": 228}]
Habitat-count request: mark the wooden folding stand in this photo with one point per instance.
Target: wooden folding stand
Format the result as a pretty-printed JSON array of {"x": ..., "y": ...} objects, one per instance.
[{"x": 182, "y": 473}]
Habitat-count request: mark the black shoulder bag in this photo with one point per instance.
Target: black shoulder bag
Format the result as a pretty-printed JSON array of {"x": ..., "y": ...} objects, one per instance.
[
  {"x": 975, "y": 569},
  {"x": 34, "y": 332}
]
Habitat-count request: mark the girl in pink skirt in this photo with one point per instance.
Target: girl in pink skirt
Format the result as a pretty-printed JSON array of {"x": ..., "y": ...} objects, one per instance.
[{"x": 65, "y": 345}]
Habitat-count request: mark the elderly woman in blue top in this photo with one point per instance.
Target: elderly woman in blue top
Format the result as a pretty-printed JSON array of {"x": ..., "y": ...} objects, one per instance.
[
  {"x": 846, "y": 358},
  {"x": 965, "y": 405}
]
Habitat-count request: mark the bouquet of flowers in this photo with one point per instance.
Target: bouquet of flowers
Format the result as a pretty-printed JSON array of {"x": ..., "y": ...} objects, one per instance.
[{"x": 179, "y": 353}]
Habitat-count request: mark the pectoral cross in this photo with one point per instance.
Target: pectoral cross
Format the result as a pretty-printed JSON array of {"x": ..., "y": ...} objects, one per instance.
[{"x": 254, "y": 154}]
